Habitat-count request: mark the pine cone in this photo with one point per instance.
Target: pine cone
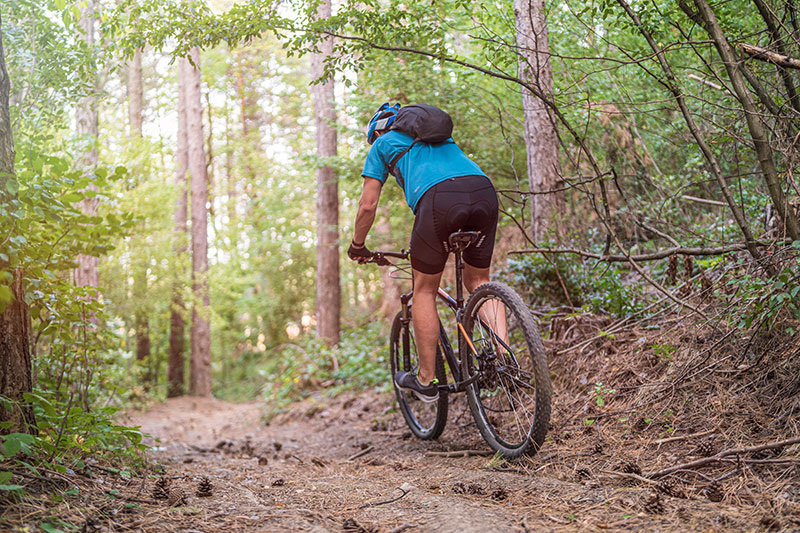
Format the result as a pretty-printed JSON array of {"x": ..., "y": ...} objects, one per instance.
[
  {"x": 714, "y": 492},
  {"x": 688, "y": 267},
  {"x": 704, "y": 449},
  {"x": 161, "y": 489},
  {"x": 672, "y": 269},
  {"x": 204, "y": 488},
  {"x": 654, "y": 505},
  {"x": 670, "y": 487},
  {"x": 177, "y": 497},
  {"x": 630, "y": 467},
  {"x": 705, "y": 285}
]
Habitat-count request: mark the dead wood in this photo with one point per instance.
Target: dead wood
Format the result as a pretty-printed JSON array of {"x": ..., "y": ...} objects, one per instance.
[
  {"x": 362, "y": 453},
  {"x": 756, "y": 52},
  {"x": 684, "y": 437},
  {"x": 678, "y": 250},
  {"x": 722, "y": 454}
]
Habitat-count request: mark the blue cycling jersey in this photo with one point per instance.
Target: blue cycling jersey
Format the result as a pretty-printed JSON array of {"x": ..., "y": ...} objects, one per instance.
[{"x": 421, "y": 168}]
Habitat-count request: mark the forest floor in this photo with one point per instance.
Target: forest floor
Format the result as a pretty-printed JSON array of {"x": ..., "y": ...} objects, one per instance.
[
  {"x": 721, "y": 407},
  {"x": 348, "y": 463}
]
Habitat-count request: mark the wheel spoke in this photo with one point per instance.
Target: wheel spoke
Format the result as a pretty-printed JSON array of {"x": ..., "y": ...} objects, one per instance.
[{"x": 506, "y": 397}]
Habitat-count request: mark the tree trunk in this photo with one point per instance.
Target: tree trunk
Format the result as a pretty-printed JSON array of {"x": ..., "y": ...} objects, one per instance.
[
  {"x": 177, "y": 324},
  {"x": 328, "y": 290},
  {"x": 754, "y": 124},
  {"x": 15, "y": 357},
  {"x": 200, "y": 379},
  {"x": 86, "y": 125},
  {"x": 541, "y": 138},
  {"x": 135, "y": 106}
]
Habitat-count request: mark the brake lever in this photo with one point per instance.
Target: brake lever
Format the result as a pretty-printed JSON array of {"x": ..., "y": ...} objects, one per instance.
[{"x": 380, "y": 260}]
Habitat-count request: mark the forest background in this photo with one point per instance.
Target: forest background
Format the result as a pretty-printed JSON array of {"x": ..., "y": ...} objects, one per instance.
[{"x": 674, "y": 128}]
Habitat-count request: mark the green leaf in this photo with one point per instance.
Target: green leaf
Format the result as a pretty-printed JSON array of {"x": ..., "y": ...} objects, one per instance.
[
  {"x": 11, "y": 487},
  {"x": 72, "y": 197},
  {"x": 12, "y": 187},
  {"x": 11, "y": 447},
  {"x": 60, "y": 4},
  {"x": 50, "y": 528},
  {"x": 5, "y": 477}
]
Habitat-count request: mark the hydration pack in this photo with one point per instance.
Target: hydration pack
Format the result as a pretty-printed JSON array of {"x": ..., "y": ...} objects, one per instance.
[{"x": 425, "y": 123}]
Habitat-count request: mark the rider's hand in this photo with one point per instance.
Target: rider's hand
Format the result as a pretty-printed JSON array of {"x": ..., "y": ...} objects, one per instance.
[{"x": 360, "y": 254}]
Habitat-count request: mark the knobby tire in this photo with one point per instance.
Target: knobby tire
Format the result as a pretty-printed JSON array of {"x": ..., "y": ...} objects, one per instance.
[
  {"x": 426, "y": 421},
  {"x": 511, "y": 400}
]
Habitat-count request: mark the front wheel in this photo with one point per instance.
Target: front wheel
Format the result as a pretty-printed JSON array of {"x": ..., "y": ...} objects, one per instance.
[
  {"x": 426, "y": 420},
  {"x": 510, "y": 399}
]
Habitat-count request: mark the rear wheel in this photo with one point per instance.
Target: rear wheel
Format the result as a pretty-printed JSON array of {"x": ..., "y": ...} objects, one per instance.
[
  {"x": 510, "y": 399},
  {"x": 426, "y": 420}
]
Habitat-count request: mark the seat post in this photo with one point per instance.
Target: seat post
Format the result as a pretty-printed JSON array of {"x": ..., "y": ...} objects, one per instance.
[{"x": 459, "y": 280}]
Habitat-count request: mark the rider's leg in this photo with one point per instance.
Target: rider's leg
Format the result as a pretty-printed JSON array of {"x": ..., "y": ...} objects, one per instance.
[
  {"x": 493, "y": 312},
  {"x": 426, "y": 322}
]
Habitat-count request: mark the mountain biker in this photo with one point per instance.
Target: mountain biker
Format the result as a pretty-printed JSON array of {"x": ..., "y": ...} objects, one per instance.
[{"x": 448, "y": 192}]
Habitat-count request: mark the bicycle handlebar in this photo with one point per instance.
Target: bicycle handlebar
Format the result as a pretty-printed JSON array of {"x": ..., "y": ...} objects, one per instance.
[{"x": 379, "y": 257}]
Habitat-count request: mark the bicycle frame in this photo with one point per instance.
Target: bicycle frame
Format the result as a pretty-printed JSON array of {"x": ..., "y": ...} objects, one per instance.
[{"x": 464, "y": 343}]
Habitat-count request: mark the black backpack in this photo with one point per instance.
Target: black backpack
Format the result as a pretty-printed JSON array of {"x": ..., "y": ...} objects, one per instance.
[{"x": 425, "y": 123}]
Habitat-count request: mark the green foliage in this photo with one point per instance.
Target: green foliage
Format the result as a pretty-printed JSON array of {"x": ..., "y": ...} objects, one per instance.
[
  {"x": 66, "y": 429},
  {"x": 663, "y": 351},
  {"x": 764, "y": 299},
  {"x": 600, "y": 393},
  {"x": 599, "y": 288},
  {"x": 66, "y": 434},
  {"x": 363, "y": 362}
]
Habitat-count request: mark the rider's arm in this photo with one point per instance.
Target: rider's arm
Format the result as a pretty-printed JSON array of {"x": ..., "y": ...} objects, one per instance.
[{"x": 367, "y": 207}]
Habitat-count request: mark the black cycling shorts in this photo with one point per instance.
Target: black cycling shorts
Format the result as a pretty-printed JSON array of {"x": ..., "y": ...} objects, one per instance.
[{"x": 467, "y": 203}]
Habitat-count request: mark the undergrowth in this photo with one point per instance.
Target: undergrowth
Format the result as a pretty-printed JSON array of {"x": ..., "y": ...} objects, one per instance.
[
  {"x": 561, "y": 280},
  {"x": 291, "y": 372},
  {"x": 65, "y": 439}
]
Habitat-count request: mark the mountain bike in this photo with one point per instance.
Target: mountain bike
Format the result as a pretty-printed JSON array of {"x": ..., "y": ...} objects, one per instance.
[{"x": 505, "y": 376}]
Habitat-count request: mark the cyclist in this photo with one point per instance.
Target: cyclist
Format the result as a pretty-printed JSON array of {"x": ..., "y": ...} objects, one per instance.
[{"x": 448, "y": 192}]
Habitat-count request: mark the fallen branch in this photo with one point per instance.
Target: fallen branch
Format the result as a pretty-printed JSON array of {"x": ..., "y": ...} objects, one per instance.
[
  {"x": 384, "y": 502},
  {"x": 684, "y": 437},
  {"x": 362, "y": 453},
  {"x": 461, "y": 453},
  {"x": 756, "y": 52},
  {"x": 777, "y": 461},
  {"x": 720, "y": 455}
]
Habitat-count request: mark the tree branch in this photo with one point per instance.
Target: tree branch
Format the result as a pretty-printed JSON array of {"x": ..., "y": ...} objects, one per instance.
[
  {"x": 756, "y": 52},
  {"x": 678, "y": 250}
]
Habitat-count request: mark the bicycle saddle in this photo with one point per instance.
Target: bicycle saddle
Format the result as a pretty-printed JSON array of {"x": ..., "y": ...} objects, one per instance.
[{"x": 461, "y": 240}]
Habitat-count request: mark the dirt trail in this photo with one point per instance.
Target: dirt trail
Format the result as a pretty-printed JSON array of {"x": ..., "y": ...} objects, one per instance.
[{"x": 301, "y": 473}]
